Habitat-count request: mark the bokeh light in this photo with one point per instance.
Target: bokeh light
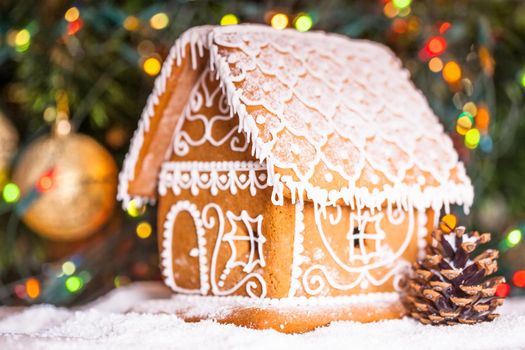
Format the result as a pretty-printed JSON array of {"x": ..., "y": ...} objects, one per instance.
[
  {"x": 436, "y": 45},
  {"x": 518, "y": 279},
  {"x": 448, "y": 223},
  {"x": 472, "y": 138},
  {"x": 11, "y": 193},
  {"x": 32, "y": 288},
  {"x": 151, "y": 66},
  {"x": 159, "y": 21},
  {"x": 483, "y": 118},
  {"x": 401, "y": 4},
  {"x": 74, "y": 284},
  {"x": 435, "y": 64},
  {"x": 131, "y": 23},
  {"x": 522, "y": 78},
  {"x": 144, "y": 230},
  {"x": 229, "y": 19},
  {"x": 452, "y": 72},
  {"x": 279, "y": 21},
  {"x": 134, "y": 209},
  {"x": 22, "y": 40},
  {"x": 72, "y": 14},
  {"x": 390, "y": 10},
  {"x": 514, "y": 238},
  {"x": 303, "y": 22},
  {"x": 68, "y": 268},
  {"x": 464, "y": 123},
  {"x": 471, "y": 108},
  {"x": 502, "y": 290}
]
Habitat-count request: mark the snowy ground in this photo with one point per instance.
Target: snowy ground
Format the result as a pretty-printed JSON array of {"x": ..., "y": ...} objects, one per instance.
[{"x": 106, "y": 324}]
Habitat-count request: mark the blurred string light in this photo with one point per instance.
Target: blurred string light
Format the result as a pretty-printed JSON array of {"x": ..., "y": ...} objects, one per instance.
[
  {"x": 502, "y": 290},
  {"x": 464, "y": 123},
  {"x": 435, "y": 64},
  {"x": 32, "y": 288},
  {"x": 159, "y": 21},
  {"x": 401, "y": 4},
  {"x": 472, "y": 138},
  {"x": 303, "y": 22},
  {"x": 470, "y": 107},
  {"x": 448, "y": 223},
  {"x": 513, "y": 238},
  {"x": 436, "y": 46},
  {"x": 229, "y": 19},
  {"x": 444, "y": 27},
  {"x": 131, "y": 23},
  {"x": 144, "y": 230},
  {"x": 45, "y": 182},
  {"x": 151, "y": 66},
  {"x": 72, "y": 14},
  {"x": 483, "y": 118},
  {"x": 68, "y": 268},
  {"x": 134, "y": 209},
  {"x": 518, "y": 279},
  {"x": 74, "y": 27},
  {"x": 74, "y": 284},
  {"x": 279, "y": 21},
  {"x": 389, "y": 10},
  {"x": 11, "y": 193},
  {"x": 22, "y": 40},
  {"x": 451, "y": 72}
]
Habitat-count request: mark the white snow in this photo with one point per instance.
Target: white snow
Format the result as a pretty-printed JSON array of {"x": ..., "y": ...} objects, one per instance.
[{"x": 108, "y": 324}]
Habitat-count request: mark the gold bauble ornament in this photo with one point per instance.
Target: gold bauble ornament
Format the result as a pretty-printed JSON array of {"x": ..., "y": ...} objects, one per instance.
[
  {"x": 8, "y": 143},
  {"x": 68, "y": 186}
]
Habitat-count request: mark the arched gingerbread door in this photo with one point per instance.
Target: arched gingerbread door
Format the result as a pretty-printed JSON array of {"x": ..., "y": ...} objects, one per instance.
[{"x": 184, "y": 261}]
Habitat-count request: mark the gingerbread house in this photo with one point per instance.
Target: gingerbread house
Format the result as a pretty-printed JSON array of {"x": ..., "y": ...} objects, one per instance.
[{"x": 296, "y": 175}]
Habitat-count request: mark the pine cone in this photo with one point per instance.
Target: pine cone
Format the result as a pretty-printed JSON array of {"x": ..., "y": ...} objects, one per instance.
[{"x": 448, "y": 286}]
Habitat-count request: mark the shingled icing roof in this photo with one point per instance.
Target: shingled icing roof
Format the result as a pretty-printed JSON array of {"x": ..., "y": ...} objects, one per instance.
[{"x": 334, "y": 119}]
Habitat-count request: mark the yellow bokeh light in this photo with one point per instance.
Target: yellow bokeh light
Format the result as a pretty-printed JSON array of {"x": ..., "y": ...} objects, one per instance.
[
  {"x": 471, "y": 108},
  {"x": 131, "y": 23},
  {"x": 151, "y": 66},
  {"x": 72, "y": 14},
  {"x": 279, "y": 21},
  {"x": 390, "y": 10},
  {"x": 472, "y": 138},
  {"x": 144, "y": 230},
  {"x": 134, "y": 209},
  {"x": 448, "y": 223},
  {"x": 22, "y": 38},
  {"x": 159, "y": 21},
  {"x": 229, "y": 19},
  {"x": 435, "y": 64},
  {"x": 452, "y": 72},
  {"x": 463, "y": 125}
]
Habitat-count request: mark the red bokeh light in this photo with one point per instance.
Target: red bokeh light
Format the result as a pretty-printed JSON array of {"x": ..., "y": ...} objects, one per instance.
[
  {"x": 519, "y": 279},
  {"x": 436, "y": 46},
  {"x": 45, "y": 182},
  {"x": 74, "y": 27},
  {"x": 444, "y": 27},
  {"x": 503, "y": 290}
]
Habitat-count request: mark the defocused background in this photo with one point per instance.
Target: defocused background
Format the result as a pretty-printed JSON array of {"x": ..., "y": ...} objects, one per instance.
[{"x": 74, "y": 77}]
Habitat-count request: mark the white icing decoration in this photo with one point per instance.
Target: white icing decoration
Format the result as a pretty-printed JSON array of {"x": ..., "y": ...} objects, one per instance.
[
  {"x": 297, "y": 250},
  {"x": 212, "y": 176},
  {"x": 199, "y": 99},
  {"x": 253, "y": 278},
  {"x": 167, "y": 248},
  {"x": 316, "y": 276}
]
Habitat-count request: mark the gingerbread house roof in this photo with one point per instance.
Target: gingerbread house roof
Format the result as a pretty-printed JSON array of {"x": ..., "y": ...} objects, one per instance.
[{"x": 334, "y": 119}]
